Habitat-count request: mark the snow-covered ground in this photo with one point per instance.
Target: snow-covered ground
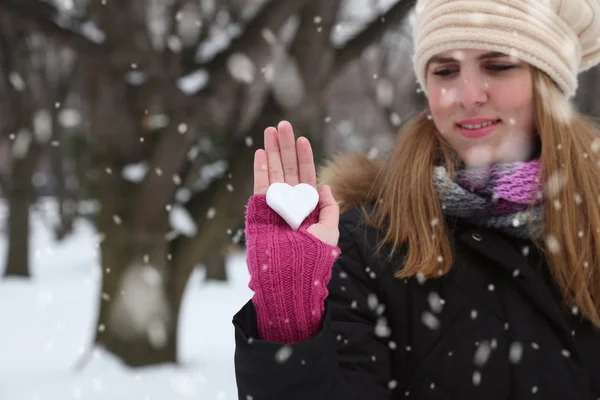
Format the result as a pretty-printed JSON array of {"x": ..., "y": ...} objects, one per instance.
[{"x": 47, "y": 322}]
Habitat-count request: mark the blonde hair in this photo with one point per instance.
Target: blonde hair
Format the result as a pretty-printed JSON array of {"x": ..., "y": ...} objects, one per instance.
[{"x": 412, "y": 218}]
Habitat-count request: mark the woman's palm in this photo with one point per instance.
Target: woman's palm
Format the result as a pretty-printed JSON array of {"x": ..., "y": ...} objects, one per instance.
[{"x": 285, "y": 159}]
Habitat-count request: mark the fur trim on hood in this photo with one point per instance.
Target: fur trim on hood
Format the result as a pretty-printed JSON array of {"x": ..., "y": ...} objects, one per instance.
[{"x": 351, "y": 177}]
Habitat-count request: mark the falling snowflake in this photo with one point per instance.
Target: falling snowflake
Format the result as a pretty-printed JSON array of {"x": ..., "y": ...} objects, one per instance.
[
  {"x": 435, "y": 302},
  {"x": 430, "y": 320},
  {"x": 241, "y": 68},
  {"x": 21, "y": 143},
  {"x": 515, "y": 352},
  {"x": 42, "y": 125},
  {"x": 384, "y": 92},
  {"x": 482, "y": 355},
  {"x": 476, "y": 378},
  {"x": 182, "y": 221},
  {"x": 552, "y": 244},
  {"x": 556, "y": 182},
  {"x": 372, "y": 301},
  {"x": 210, "y": 214},
  {"x": 135, "y": 172},
  {"x": 382, "y": 329},
  {"x": 595, "y": 145},
  {"x": 16, "y": 81},
  {"x": 283, "y": 354}
]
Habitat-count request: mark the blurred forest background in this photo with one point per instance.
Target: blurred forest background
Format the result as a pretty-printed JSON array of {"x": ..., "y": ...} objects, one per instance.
[{"x": 142, "y": 117}]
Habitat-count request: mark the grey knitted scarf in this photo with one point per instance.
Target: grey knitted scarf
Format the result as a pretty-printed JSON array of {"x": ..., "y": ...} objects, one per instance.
[{"x": 497, "y": 197}]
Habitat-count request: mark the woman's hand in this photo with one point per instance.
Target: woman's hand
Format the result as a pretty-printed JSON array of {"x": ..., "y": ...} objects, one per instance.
[{"x": 285, "y": 159}]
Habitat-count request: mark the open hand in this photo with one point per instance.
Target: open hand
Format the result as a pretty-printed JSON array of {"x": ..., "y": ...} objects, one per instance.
[{"x": 285, "y": 159}]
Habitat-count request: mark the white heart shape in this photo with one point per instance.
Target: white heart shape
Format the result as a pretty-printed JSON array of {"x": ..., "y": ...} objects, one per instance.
[{"x": 292, "y": 203}]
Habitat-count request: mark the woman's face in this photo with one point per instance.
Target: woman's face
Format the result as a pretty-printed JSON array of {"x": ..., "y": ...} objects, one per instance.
[{"x": 470, "y": 87}]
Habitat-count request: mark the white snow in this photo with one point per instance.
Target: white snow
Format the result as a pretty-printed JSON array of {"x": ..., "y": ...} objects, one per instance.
[
  {"x": 241, "y": 68},
  {"x": 355, "y": 15},
  {"x": 135, "y": 172},
  {"x": 47, "y": 323},
  {"x": 182, "y": 221},
  {"x": 20, "y": 146},
  {"x": 42, "y": 125},
  {"x": 91, "y": 31},
  {"x": 16, "y": 80},
  {"x": 193, "y": 82},
  {"x": 69, "y": 118}
]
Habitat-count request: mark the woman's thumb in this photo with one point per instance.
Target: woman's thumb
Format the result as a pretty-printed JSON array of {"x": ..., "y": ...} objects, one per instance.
[{"x": 329, "y": 211}]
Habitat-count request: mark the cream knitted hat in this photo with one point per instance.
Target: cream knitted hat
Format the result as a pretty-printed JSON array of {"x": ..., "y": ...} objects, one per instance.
[{"x": 560, "y": 37}]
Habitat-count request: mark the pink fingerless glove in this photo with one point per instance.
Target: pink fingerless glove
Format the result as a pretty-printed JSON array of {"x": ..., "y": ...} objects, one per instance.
[{"x": 289, "y": 273}]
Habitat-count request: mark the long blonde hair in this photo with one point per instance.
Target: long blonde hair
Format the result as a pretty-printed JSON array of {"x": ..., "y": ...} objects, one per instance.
[{"x": 408, "y": 212}]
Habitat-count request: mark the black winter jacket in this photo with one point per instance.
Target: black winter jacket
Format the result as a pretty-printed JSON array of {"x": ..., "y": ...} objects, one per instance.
[{"x": 493, "y": 328}]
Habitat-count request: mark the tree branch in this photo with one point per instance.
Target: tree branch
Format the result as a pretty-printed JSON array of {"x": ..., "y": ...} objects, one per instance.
[
  {"x": 271, "y": 16},
  {"x": 173, "y": 146},
  {"x": 371, "y": 34},
  {"x": 45, "y": 18}
]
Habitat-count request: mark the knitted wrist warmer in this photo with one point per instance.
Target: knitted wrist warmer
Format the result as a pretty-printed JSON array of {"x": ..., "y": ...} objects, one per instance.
[{"x": 289, "y": 273}]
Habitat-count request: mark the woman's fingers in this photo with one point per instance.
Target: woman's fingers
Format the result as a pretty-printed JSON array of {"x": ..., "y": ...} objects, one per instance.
[
  {"x": 287, "y": 160},
  {"x": 273, "y": 156},
  {"x": 287, "y": 148},
  {"x": 306, "y": 163},
  {"x": 261, "y": 172}
]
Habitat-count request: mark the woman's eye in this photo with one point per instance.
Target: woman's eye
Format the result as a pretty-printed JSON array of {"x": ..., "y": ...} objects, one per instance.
[
  {"x": 500, "y": 67},
  {"x": 444, "y": 72}
]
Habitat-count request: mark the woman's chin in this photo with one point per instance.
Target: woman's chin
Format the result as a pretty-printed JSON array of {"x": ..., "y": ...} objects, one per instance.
[
  {"x": 478, "y": 157},
  {"x": 508, "y": 151}
]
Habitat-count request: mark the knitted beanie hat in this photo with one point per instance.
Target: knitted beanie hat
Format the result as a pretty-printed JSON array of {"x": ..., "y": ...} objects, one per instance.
[{"x": 560, "y": 37}]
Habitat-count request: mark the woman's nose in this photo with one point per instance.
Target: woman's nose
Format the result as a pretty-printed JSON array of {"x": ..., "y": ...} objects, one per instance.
[{"x": 472, "y": 91}]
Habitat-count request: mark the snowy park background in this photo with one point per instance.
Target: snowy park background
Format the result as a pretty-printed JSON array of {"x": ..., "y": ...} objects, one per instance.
[
  {"x": 47, "y": 324},
  {"x": 127, "y": 132}
]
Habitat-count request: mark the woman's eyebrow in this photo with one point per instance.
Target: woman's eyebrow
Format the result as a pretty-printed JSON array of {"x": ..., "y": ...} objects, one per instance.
[{"x": 446, "y": 59}]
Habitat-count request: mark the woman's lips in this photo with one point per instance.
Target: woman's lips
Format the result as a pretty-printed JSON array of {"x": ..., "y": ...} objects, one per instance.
[{"x": 478, "y": 133}]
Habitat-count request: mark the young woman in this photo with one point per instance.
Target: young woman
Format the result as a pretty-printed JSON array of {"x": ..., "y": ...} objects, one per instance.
[{"x": 464, "y": 265}]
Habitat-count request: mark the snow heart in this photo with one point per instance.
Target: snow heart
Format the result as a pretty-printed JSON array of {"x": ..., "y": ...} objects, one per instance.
[{"x": 292, "y": 203}]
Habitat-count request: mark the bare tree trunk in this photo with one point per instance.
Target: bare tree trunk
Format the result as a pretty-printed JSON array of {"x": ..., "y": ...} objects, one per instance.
[
  {"x": 136, "y": 321},
  {"x": 215, "y": 266},
  {"x": 20, "y": 197},
  {"x": 65, "y": 198},
  {"x": 16, "y": 56}
]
